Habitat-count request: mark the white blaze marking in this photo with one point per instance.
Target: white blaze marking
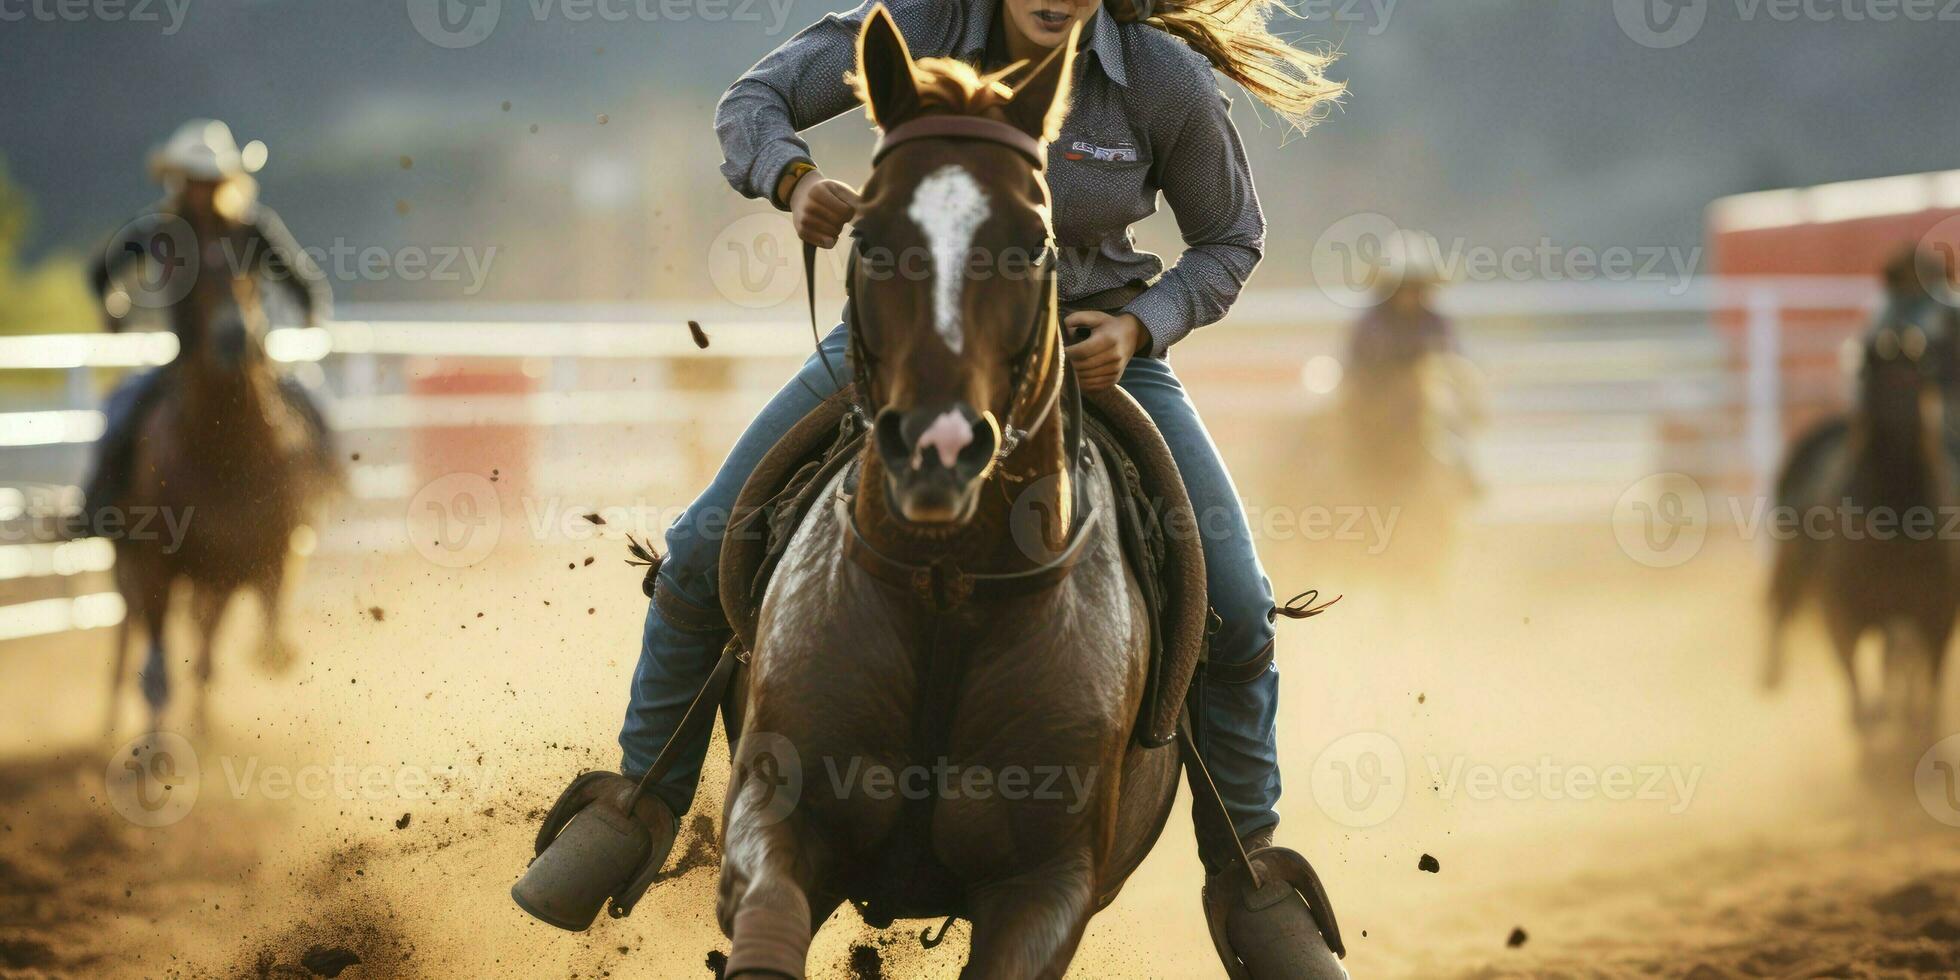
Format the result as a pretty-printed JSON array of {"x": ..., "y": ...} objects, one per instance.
[{"x": 949, "y": 207}]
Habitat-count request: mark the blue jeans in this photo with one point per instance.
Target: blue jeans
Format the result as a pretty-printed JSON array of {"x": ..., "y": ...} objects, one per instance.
[{"x": 1234, "y": 722}]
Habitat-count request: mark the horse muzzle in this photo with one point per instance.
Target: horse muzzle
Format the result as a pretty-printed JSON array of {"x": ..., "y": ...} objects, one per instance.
[{"x": 936, "y": 460}]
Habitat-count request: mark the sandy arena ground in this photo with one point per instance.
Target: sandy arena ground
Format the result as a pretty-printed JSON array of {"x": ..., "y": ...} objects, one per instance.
[{"x": 1582, "y": 749}]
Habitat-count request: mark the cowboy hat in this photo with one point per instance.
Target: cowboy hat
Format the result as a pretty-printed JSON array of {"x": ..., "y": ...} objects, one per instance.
[{"x": 203, "y": 149}]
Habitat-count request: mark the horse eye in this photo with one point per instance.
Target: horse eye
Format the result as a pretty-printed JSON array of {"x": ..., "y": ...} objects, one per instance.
[
  {"x": 1914, "y": 343},
  {"x": 1887, "y": 344}
]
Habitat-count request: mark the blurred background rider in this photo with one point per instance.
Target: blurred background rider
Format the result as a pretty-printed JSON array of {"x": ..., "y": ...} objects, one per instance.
[{"x": 208, "y": 222}]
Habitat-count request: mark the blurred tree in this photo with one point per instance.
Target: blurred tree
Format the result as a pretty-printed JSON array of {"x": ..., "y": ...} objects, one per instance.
[{"x": 50, "y": 296}]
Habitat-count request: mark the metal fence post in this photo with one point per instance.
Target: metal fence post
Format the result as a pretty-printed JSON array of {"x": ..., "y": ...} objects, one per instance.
[{"x": 1763, "y": 354}]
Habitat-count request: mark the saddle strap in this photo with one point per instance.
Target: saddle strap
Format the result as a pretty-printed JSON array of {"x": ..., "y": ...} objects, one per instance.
[{"x": 700, "y": 714}]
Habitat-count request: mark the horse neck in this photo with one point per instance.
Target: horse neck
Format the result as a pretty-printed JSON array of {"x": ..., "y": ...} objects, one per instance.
[
  {"x": 213, "y": 387},
  {"x": 1033, "y": 483},
  {"x": 1904, "y": 461}
]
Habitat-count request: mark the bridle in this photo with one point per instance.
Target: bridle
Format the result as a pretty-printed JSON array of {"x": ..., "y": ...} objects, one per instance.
[{"x": 1039, "y": 359}]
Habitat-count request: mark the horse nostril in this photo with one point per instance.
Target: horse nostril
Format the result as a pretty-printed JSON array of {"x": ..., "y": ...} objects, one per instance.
[{"x": 948, "y": 433}]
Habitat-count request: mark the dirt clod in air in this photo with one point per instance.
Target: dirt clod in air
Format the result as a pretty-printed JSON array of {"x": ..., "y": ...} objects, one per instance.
[
  {"x": 322, "y": 961},
  {"x": 402, "y": 824},
  {"x": 377, "y": 613},
  {"x": 700, "y": 336},
  {"x": 1429, "y": 863},
  {"x": 595, "y": 519},
  {"x": 1516, "y": 938},
  {"x": 718, "y": 963}
]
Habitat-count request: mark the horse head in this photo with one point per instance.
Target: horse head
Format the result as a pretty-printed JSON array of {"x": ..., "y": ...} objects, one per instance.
[
  {"x": 954, "y": 327},
  {"x": 1903, "y": 373}
]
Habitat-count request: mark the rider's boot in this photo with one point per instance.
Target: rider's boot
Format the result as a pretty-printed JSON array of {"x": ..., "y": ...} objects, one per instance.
[
  {"x": 602, "y": 845},
  {"x": 1272, "y": 925}
]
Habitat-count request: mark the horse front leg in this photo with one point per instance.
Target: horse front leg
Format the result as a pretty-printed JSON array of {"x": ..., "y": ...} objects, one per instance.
[
  {"x": 771, "y": 864},
  {"x": 118, "y": 664},
  {"x": 275, "y": 654},
  {"x": 207, "y": 609},
  {"x": 1029, "y": 925}
]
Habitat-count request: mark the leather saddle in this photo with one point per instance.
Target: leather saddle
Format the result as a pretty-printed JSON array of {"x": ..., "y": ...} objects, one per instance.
[{"x": 1155, "y": 523}]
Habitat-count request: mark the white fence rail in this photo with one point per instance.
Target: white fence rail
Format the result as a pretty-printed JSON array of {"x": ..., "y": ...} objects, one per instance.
[{"x": 1592, "y": 385}]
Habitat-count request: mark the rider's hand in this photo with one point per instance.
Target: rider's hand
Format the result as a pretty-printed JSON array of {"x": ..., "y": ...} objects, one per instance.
[
  {"x": 1100, "y": 359},
  {"x": 820, "y": 207}
]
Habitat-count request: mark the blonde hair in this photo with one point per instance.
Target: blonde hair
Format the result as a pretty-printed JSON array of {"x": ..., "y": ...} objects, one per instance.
[
  {"x": 1235, "y": 36},
  {"x": 947, "y": 85}
]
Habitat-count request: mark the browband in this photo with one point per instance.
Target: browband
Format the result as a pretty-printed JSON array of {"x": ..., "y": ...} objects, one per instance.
[{"x": 963, "y": 127}]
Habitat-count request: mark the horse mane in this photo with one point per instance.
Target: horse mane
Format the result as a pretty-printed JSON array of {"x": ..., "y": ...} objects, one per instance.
[{"x": 950, "y": 86}]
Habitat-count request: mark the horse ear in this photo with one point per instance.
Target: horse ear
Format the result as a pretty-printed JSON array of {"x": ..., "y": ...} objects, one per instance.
[
  {"x": 885, "y": 70},
  {"x": 1041, "y": 94}
]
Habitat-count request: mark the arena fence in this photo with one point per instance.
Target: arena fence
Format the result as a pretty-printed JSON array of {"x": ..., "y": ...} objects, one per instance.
[{"x": 1591, "y": 387}]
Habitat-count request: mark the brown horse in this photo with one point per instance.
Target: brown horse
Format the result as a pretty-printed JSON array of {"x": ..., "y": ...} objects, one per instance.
[
  {"x": 950, "y": 661},
  {"x": 226, "y": 456},
  {"x": 1875, "y": 495}
]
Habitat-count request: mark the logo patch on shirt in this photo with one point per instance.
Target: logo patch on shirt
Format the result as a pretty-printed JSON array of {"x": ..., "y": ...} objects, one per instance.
[{"x": 1083, "y": 150}]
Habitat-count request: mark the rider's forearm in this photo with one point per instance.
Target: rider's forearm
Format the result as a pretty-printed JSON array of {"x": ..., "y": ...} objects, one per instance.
[{"x": 801, "y": 84}]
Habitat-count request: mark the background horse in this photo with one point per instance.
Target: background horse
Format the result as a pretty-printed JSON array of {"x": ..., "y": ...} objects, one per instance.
[
  {"x": 951, "y": 660},
  {"x": 1404, "y": 424},
  {"x": 224, "y": 451},
  {"x": 1894, "y": 575}
]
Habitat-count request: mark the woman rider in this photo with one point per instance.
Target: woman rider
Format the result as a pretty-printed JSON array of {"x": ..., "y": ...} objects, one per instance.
[{"x": 1147, "y": 117}]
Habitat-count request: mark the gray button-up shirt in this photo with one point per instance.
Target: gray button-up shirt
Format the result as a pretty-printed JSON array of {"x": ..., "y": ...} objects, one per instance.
[{"x": 1147, "y": 117}]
